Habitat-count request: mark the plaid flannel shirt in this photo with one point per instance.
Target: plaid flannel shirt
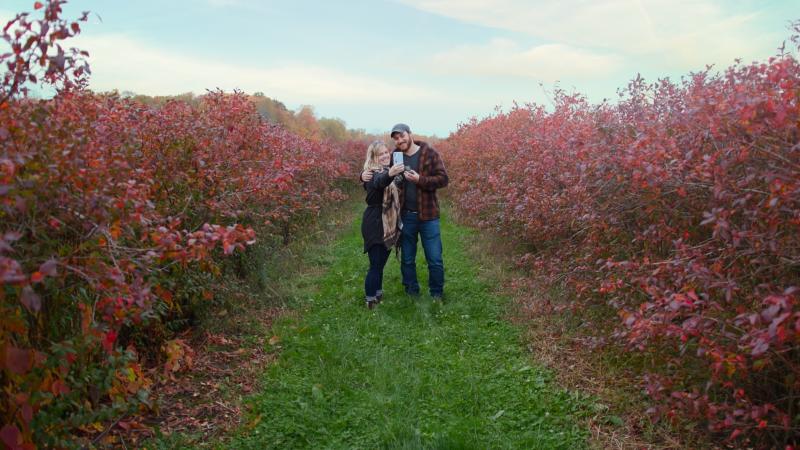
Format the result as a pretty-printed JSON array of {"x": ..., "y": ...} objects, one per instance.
[{"x": 432, "y": 176}]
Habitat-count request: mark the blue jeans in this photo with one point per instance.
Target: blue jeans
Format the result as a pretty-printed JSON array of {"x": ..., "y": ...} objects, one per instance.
[
  {"x": 428, "y": 230},
  {"x": 378, "y": 255}
]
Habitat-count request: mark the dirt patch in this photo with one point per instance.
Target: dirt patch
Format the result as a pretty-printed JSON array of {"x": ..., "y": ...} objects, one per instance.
[
  {"x": 203, "y": 399},
  {"x": 618, "y": 420},
  {"x": 206, "y": 401}
]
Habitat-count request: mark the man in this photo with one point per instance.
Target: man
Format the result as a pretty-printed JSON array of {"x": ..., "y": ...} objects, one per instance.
[{"x": 424, "y": 174}]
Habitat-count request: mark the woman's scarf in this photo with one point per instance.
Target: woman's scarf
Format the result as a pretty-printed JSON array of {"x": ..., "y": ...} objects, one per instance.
[{"x": 390, "y": 214}]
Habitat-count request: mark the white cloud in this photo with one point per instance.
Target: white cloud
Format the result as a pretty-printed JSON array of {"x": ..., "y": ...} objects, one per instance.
[
  {"x": 119, "y": 62},
  {"x": 503, "y": 57},
  {"x": 683, "y": 34}
]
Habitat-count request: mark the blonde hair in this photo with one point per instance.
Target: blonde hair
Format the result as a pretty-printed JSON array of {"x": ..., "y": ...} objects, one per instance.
[{"x": 371, "y": 161}]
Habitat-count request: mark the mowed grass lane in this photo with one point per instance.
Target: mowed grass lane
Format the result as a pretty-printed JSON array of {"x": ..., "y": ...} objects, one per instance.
[{"x": 409, "y": 374}]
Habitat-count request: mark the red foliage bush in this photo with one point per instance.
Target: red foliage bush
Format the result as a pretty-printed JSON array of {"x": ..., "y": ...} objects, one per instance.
[
  {"x": 107, "y": 206},
  {"x": 679, "y": 208}
]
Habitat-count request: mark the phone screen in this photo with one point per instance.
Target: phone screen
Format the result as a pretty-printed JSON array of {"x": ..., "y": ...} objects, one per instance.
[{"x": 397, "y": 158}]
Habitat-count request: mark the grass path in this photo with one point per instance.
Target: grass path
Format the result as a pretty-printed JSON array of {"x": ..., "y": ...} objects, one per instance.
[{"x": 409, "y": 374}]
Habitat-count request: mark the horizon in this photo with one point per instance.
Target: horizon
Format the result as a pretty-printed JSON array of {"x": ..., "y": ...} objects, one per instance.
[{"x": 430, "y": 63}]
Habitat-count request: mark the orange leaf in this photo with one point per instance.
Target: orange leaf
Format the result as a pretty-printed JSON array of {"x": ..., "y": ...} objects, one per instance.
[{"x": 37, "y": 277}]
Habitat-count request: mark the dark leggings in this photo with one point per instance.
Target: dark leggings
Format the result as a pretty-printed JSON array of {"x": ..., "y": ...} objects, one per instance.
[{"x": 378, "y": 255}]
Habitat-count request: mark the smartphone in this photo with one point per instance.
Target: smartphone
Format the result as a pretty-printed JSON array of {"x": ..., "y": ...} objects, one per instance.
[{"x": 397, "y": 158}]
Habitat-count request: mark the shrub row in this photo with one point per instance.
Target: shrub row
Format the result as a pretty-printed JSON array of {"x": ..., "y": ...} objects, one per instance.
[
  {"x": 677, "y": 208},
  {"x": 115, "y": 214}
]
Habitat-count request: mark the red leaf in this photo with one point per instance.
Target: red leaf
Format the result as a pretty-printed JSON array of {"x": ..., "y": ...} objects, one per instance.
[
  {"x": 227, "y": 247},
  {"x": 59, "y": 388},
  {"x": 11, "y": 436},
  {"x": 12, "y": 236},
  {"x": 38, "y": 5},
  {"x": 49, "y": 268},
  {"x": 27, "y": 413},
  {"x": 108, "y": 340},
  {"x": 11, "y": 272},
  {"x": 18, "y": 361},
  {"x": 31, "y": 299}
]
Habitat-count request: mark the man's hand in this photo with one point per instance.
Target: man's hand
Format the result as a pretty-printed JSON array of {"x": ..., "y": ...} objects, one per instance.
[
  {"x": 366, "y": 176},
  {"x": 411, "y": 176}
]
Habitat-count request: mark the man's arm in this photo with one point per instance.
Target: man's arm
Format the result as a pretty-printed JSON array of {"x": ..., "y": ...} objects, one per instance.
[{"x": 438, "y": 177}]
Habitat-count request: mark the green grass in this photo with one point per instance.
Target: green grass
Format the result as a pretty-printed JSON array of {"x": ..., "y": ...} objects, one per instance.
[{"x": 410, "y": 374}]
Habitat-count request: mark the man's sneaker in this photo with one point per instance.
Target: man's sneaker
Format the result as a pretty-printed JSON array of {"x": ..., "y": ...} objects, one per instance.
[
  {"x": 378, "y": 296},
  {"x": 371, "y": 302},
  {"x": 437, "y": 298}
]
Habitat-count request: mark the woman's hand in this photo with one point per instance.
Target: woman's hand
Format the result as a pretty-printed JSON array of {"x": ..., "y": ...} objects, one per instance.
[
  {"x": 396, "y": 170},
  {"x": 366, "y": 176}
]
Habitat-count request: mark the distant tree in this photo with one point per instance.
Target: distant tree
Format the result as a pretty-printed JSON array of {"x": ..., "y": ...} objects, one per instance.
[
  {"x": 306, "y": 123},
  {"x": 272, "y": 110},
  {"x": 160, "y": 100},
  {"x": 333, "y": 128}
]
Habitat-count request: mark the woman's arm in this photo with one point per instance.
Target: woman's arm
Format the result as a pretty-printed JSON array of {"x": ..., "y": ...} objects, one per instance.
[{"x": 379, "y": 180}]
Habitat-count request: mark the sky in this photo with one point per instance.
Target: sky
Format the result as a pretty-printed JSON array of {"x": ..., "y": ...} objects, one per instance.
[{"x": 430, "y": 63}]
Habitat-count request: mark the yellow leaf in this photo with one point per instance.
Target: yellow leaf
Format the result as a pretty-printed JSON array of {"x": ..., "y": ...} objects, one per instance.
[{"x": 254, "y": 422}]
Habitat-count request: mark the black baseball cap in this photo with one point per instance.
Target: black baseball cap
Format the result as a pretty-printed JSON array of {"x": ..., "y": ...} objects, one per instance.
[{"x": 399, "y": 128}]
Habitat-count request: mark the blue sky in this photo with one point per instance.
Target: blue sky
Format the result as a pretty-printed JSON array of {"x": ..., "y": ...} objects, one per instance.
[{"x": 429, "y": 63}]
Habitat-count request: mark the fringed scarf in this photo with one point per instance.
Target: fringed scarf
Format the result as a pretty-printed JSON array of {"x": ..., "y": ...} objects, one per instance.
[{"x": 390, "y": 215}]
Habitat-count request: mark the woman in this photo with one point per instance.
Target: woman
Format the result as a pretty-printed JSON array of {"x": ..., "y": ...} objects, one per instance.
[{"x": 379, "y": 226}]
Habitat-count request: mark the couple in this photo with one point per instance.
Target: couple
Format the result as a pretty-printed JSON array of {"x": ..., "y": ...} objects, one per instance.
[{"x": 401, "y": 205}]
